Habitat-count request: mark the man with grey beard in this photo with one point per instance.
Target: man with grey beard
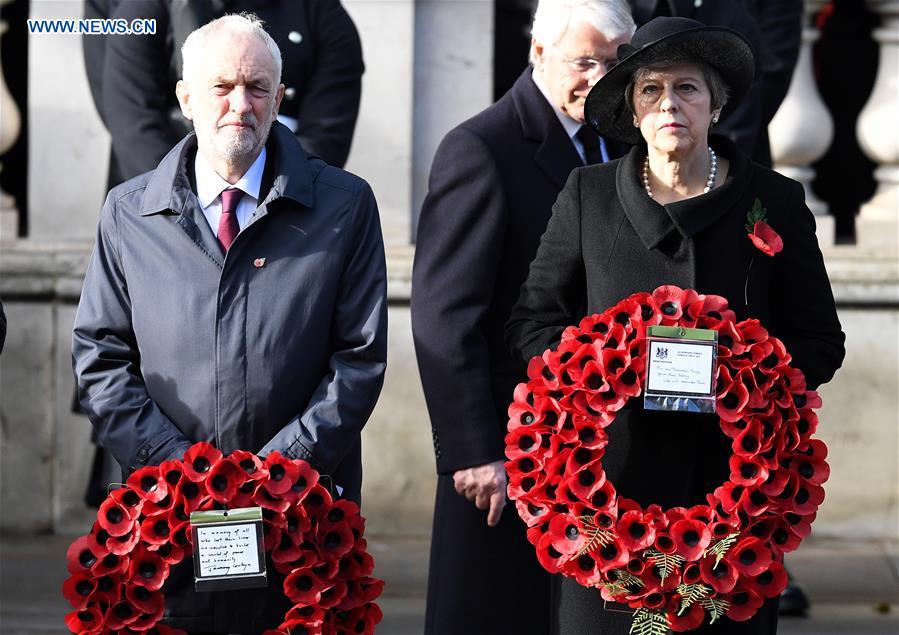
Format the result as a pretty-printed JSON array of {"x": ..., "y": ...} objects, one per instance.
[{"x": 236, "y": 295}]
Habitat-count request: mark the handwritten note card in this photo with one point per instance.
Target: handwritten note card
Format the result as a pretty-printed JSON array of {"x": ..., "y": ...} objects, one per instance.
[
  {"x": 680, "y": 368},
  {"x": 227, "y": 549}
]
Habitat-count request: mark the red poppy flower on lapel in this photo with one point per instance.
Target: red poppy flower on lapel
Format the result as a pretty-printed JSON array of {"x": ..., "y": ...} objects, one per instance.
[
  {"x": 199, "y": 459},
  {"x": 687, "y": 621},
  {"x": 635, "y": 531},
  {"x": 149, "y": 483},
  {"x": 77, "y": 589},
  {"x": 766, "y": 239},
  {"x": 89, "y": 620},
  {"x": 84, "y": 553},
  {"x": 691, "y": 537},
  {"x": 721, "y": 577},
  {"x": 750, "y": 556},
  {"x": 148, "y": 569},
  {"x": 743, "y": 604}
]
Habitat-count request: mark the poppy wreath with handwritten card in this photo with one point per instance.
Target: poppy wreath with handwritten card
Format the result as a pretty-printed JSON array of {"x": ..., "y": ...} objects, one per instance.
[
  {"x": 119, "y": 568},
  {"x": 674, "y": 567}
]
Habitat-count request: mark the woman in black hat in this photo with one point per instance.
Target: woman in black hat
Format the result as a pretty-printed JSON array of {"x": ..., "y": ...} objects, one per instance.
[{"x": 674, "y": 211}]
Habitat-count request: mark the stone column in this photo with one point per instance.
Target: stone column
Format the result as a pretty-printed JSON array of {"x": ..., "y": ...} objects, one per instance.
[
  {"x": 877, "y": 226},
  {"x": 802, "y": 129},
  {"x": 10, "y": 125}
]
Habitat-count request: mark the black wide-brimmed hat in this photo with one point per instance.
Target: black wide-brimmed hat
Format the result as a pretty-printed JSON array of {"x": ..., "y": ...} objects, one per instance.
[{"x": 668, "y": 39}]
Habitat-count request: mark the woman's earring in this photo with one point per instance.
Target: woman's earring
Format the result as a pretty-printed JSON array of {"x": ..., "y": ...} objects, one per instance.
[
  {"x": 715, "y": 117},
  {"x": 636, "y": 123}
]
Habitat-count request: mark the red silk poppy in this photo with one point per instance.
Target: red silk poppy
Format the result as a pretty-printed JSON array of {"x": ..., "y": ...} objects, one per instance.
[
  {"x": 199, "y": 459},
  {"x": 119, "y": 569},
  {"x": 743, "y": 604},
  {"x": 149, "y": 483},
  {"x": 556, "y": 446},
  {"x": 766, "y": 239},
  {"x": 691, "y": 537},
  {"x": 688, "y": 620}
]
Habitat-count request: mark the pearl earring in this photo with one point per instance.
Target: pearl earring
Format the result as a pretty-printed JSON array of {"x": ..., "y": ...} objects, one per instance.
[
  {"x": 715, "y": 118},
  {"x": 636, "y": 123}
]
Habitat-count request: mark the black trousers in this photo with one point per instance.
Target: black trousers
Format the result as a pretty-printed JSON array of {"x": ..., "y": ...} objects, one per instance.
[{"x": 482, "y": 580}]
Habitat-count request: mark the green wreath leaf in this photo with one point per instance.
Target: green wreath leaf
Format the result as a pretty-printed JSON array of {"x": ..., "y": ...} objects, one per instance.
[
  {"x": 716, "y": 608},
  {"x": 648, "y": 622},
  {"x": 597, "y": 537},
  {"x": 691, "y": 593},
  {"x": 721, "y": 547},
  {"x": 666, "y": 562}
]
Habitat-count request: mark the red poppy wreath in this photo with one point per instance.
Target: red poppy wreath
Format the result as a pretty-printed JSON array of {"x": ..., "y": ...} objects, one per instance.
[
  {"x": 673, "y": 567},
  {"x": 119, "y": 568}
]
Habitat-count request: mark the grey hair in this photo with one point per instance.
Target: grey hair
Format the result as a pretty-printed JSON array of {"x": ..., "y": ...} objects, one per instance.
[
  {"x": 234, "y": 24},
  {"x": 718, "y": 88},
  {"x": 553, "y": 18}
]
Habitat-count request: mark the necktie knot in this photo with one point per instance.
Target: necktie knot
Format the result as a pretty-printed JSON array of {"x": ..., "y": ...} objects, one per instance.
[
  {"x": 228, "y": 225},
  {"x": 590, "y": 140}
]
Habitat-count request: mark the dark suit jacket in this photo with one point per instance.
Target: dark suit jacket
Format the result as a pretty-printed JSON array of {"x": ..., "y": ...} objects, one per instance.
[
  {"x": 135, "y": 93},
  {"x": 492, "y": 185}
]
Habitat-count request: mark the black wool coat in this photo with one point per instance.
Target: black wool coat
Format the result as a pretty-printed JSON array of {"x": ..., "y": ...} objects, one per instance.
[
  {"x": 491, "y": 189},
  {"x": 606, "y": 240}
]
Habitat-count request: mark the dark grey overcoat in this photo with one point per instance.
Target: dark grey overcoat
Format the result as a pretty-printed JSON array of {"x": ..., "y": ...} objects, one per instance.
[
  {"x": 606, "y": 240},
  {"x": 278, "y": 345},
  {"x": 491, "y": 189}
]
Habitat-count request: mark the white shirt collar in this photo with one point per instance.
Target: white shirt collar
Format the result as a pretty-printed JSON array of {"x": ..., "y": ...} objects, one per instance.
[
  {"x": 571, "y": 125},
  {"x": 210, "y": 184}
]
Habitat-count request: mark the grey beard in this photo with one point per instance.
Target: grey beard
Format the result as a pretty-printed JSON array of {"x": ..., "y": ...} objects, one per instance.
[{"x": 245, "y": 144}]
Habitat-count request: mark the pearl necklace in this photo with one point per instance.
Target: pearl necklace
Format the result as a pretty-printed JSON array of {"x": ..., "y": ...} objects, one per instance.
[{"x": 710, "y": 182}]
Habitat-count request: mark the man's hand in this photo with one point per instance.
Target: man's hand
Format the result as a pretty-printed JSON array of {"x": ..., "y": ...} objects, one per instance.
[{"x": 486, "y": 486}]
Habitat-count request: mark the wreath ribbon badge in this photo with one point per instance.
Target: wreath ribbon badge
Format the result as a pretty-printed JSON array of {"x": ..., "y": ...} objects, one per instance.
[
  {"x": 119, "y": 569},
  {"x": 675, "y": 567}
]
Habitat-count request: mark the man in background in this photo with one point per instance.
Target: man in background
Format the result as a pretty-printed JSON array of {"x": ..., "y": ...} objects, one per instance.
[{"x": 492, "y": 185}]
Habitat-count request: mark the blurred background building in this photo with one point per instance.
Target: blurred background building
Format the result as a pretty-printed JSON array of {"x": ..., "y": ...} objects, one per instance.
[{"x": 429, "y": 65}]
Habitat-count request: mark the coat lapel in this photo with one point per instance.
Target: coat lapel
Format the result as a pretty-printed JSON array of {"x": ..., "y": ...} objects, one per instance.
[{"x": 556, "y": 156}]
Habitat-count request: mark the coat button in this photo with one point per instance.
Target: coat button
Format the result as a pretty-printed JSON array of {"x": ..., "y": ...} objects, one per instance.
[
  {"x": 290, "y": 93},
  {"x": 143, "y": 455},
  {"x": 295, "y": 37}
]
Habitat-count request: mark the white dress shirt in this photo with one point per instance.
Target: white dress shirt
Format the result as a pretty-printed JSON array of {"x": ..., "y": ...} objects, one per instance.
[
  {"x": 571, "y": 125},
  {"x": 210, "y": 186}
]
